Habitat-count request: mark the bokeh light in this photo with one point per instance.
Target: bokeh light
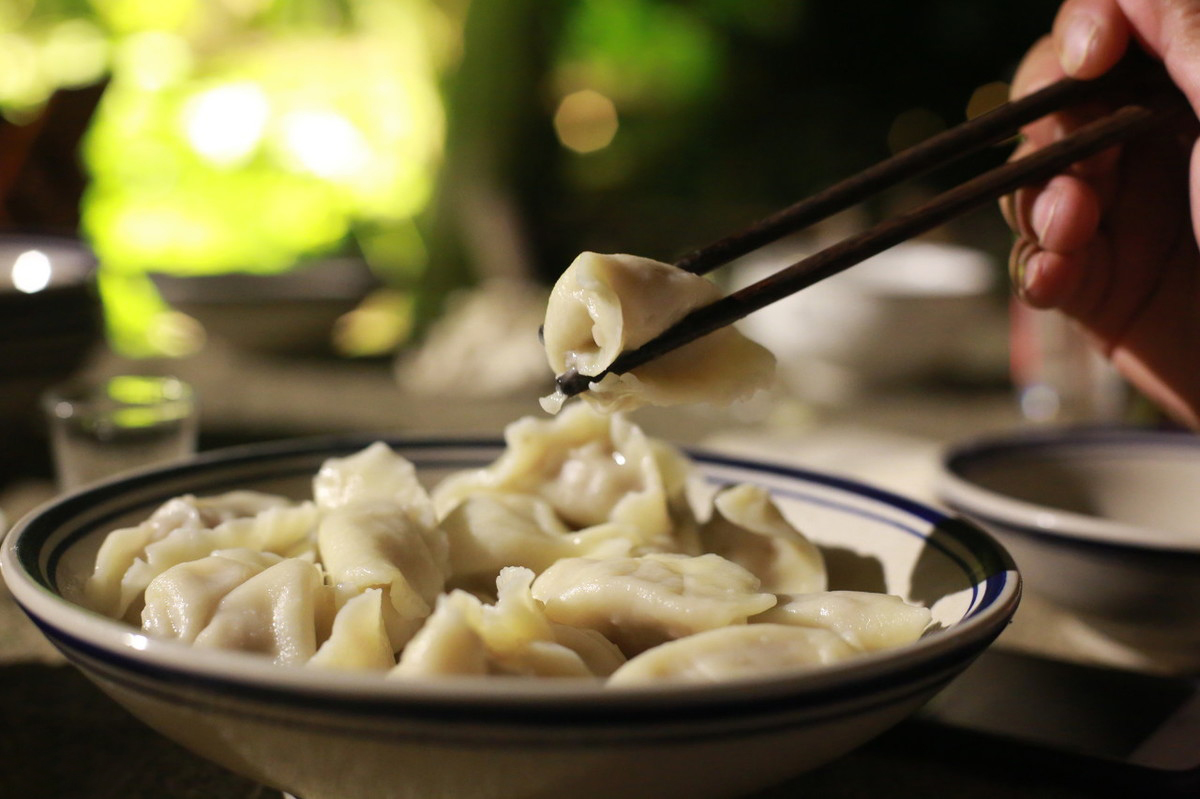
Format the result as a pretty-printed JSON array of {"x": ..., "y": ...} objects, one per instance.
[
  {"x": 913, "y": 127},
  {"x": 324, "y": 143},
  {"x": 225, "y": 124},
  {"x": 987, "y": 97},
  {"x": 31, "y": 271},
  {"x": 586, "y": 121}
]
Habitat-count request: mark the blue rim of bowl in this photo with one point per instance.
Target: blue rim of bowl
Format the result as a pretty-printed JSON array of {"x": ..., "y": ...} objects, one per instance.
[
  {"x": 991, "y": 608},
  {"x": 1114, "y": 537}
]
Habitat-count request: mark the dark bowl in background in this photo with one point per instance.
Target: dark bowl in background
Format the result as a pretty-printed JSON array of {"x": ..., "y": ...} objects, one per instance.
[{"x": 47, "y": 332}]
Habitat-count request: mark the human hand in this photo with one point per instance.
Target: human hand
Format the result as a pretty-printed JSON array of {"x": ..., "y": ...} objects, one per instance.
[{"x": 1112, "y": 243}]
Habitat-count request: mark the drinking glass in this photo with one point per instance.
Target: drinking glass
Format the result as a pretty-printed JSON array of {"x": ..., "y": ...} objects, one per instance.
[{"x": 99, "y": 429}]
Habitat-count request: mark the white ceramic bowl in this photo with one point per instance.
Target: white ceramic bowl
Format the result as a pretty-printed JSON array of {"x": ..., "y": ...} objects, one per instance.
[
  {"x": 1102, "y": 522},
  {"x": 342, "y": 736},
  {"x": 905, "y": 314}
]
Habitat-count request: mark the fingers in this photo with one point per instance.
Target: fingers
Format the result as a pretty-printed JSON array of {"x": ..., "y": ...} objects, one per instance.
[
  {"x": 1058, "y": 233},
  {"x": 1044, "y": 279},
  {"x": 1038, "y": 69},
  {"x": 1065, "y": 215},
  {"x": 1060, "y": 227},
  {"x": 1090, "y": 37},
  {"x": 1170, "y": 31},
  {"x": 1057, "y": 222}
]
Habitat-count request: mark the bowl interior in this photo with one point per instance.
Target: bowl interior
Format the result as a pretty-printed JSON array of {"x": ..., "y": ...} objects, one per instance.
[
  {"x": 873, "y": 540},
  {"x": 1085, "y": 482}
]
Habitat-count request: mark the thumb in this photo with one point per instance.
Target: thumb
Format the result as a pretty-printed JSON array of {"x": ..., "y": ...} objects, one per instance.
[
  {"x": 1090, "y": 36},
  {"x": 1170, "y": 31}
]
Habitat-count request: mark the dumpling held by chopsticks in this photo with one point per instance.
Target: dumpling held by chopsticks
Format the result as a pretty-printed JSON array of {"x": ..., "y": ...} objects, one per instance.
[{"x": 603, "y": 305}]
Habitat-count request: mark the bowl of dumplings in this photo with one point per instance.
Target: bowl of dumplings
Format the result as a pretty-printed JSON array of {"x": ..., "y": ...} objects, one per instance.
[{"x": 579, "y": 609}]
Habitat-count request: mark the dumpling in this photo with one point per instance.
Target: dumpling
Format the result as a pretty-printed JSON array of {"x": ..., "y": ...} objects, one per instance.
[
  {"x": 374, "y": 473},
  {"x": 603, "y": 305},
  {"x": 181, "y": 601},
  {"x": 521, "y": 638},
  {"x": 376, "y": 544},
  {"x": 285, "y": 530},
  {"x": 512, "y": 637},
  {"x": 359, "y": 639},
  {"x": 747, "y": 528},
  {"x": 525, "y": 641},
  {"x": 590, "y": 468},
  {"x": 487, "y": 532},
  {"x": 103, "y": 590},
  {"x": 733, "y": 652},
  {"x": 640, "y": 602},
  {"x": 866, "y": 620},
  {"x": 601, "y": 656},
  {"x": 280, "y": 612},
  {"x": 447, "y": 644}
]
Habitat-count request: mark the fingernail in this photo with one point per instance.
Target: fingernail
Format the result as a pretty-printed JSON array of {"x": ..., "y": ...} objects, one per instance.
[
  {"x": 1079, "y": 37},
  {"x": 1024, "y": 268},
  {"x": 1030, "y": 275},
  {"x": 1017, "y": 259},
  {"x": 1045, "y": 209}
]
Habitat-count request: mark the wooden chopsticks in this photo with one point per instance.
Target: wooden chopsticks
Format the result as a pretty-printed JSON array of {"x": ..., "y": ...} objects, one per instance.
[{"x": 1140, "y": 87}]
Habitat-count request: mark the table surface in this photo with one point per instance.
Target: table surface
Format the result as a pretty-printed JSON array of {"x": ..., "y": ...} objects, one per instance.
[{"x": 60, "y": 737}]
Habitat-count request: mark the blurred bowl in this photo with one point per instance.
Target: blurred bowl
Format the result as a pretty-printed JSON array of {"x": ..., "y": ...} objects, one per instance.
[
  {"x": 1101, "y": 521},
  {"x": 902, "y": 315},
  {"x": 325, "y": 735},
  {"x": 50, "y": 319},
  {"x": 289, "y": 313}
]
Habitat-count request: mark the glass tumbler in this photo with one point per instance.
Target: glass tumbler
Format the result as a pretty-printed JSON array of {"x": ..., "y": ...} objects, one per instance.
[{"x": 99, "y": 429}]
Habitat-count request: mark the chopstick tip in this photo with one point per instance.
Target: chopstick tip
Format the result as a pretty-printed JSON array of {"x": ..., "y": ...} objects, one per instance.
[{"x": 570, "y": 383}]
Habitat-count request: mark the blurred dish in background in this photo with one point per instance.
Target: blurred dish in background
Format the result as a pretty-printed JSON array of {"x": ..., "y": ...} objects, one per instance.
[
  {"x": 484, "y": 346},
  {"x": 50, "y": 320},
  {"x": 1102, "y": 523},
  {"x": 288, "y": 313},
  {"x": 914, "y": 311}
]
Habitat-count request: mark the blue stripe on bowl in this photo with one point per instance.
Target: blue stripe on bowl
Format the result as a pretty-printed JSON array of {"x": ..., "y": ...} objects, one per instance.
[
  {"x": 1083, "y": 436},
  {"x": 631, "y": 722}
]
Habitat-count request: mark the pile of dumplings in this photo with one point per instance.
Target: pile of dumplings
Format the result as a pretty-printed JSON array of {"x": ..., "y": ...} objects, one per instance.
[{"x": 581, "y": 552}]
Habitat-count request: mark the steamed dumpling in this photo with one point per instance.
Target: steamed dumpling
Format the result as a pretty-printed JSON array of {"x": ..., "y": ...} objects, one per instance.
[
  {"x": 591, "y": 469},
  {"x": 747, "y": 528},
  {"x": 865, "y": 619},
  {"x": 733, "y": 652},
  {"x": 181, "y": 601},
  {"x": 639, "y": 602},
  {"x": 358, "y": 640},
  {"x": 603, "y": 305},
  {"x": 376, "y": 544},
  {"x": 465, "y": 636},
  {"x": 110, "y": 589},
  {"x": 448, "y": 644},
  {"x": 285, "y": 530},
  {"x": 487, "y": 532},
  {"x": 374, "y": 473},
  {"x": 281, "y": 612}
]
